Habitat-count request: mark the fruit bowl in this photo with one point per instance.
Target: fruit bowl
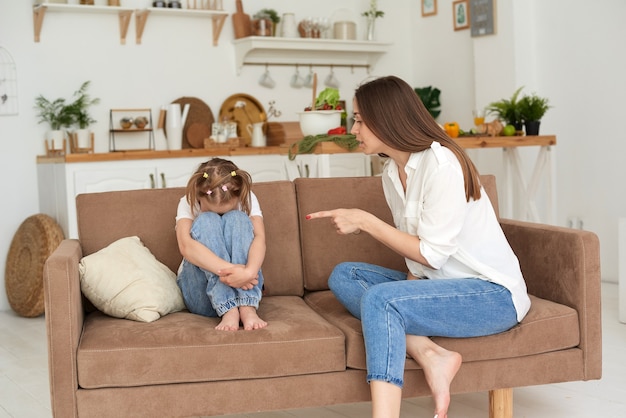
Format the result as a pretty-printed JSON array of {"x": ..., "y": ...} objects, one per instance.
[{"x": 316, "y": 122}]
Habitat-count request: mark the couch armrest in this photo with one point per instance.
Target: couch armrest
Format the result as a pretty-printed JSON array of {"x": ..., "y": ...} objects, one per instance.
[
  {"x": 64, "y": 322},
  {"x": 563, "y": 265}
]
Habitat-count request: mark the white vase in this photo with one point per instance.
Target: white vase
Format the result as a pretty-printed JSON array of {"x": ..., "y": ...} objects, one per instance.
[{"x": 371, "y": 27}]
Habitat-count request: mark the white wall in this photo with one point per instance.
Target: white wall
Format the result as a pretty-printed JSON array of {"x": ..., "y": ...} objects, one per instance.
[{"x": 573, "y": 61}]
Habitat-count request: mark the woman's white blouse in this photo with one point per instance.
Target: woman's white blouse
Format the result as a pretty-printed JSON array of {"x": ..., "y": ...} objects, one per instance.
[{"x": 459, "y": 239}]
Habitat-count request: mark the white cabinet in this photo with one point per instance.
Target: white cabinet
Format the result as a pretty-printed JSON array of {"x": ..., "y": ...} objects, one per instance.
[{"x": 61, "y": 182}]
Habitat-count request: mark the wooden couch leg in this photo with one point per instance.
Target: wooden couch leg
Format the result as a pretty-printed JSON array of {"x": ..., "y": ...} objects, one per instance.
[{"x": 501, "y": 403}]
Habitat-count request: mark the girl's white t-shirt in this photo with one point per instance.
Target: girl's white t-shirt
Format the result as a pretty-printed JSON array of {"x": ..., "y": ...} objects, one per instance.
[{"x": 184, "y": 208}]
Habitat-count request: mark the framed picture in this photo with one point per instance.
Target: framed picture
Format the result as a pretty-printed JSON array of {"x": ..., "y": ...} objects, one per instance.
[
  {"x": 461, "y": 14},
  {"x": 482, "y": 17},
  {"x": 429, "y": 7}
]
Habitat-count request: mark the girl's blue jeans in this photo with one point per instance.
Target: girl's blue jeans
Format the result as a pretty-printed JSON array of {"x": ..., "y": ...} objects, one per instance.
[
  {"x": 390, "y": 307},
  {"x": 229, "y": 236}
]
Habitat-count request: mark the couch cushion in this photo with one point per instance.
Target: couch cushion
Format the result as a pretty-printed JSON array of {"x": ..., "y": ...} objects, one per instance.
[
  {"x": 320, "y": 241},
  {"x": 100, "y": 224},
  {"x": 125, "y": 280},
  {"x": 322, "y": 247},
  {"x": 547, "y": 327},
  {"x": 183, "y": 347}
]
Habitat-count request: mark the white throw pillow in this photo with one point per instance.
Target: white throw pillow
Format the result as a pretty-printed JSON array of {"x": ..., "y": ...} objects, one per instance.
[{"x": 125, "y": 280}]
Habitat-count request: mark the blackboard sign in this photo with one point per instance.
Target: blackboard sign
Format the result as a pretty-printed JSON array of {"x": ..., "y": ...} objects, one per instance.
[{"x": 482, "y": 17}]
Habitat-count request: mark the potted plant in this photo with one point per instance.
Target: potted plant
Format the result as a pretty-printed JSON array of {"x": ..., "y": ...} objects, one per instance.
[
  {"x": 58, "y": 115},
  {"x": 79, "y": 109},
  {"x": 430, "y": 97},
  {"x": 371, "y": 15},
  {"x": 532, "y": 109},
  {"x": 265, "y": 21},
  {"x": 508, "y": 110}
]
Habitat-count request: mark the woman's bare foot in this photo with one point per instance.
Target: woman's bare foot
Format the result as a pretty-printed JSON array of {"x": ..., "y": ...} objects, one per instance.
[
  {"x": 250, "y": 319},
  {"x": 439, "y": 365},
  {"x": 230, "y": 321}
]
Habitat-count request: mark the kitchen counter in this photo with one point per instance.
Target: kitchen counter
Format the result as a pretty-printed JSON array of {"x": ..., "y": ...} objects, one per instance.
[
  {"x": 321, "y": 148},
  {"x": 468, "y": 142}
]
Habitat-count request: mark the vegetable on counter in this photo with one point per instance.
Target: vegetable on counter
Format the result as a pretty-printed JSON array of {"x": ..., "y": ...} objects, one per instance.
[{"x": 337, "y": 131}]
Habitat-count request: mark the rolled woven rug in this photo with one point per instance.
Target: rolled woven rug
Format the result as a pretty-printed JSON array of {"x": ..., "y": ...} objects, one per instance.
[{"x": 36, "y": 238}]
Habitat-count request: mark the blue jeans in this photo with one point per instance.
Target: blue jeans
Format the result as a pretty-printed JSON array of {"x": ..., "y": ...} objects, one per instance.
[
  {"x": 390, "y": 307},
  {"x": 229, "y": 236}
]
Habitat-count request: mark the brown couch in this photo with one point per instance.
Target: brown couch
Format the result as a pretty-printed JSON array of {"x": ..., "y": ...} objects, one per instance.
[{"x": 312, "y": 353}]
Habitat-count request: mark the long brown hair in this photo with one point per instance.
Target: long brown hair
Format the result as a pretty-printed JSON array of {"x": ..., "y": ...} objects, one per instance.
[
  {"x": 219, "y": 180},
  {"x": 395, "y": 114}
]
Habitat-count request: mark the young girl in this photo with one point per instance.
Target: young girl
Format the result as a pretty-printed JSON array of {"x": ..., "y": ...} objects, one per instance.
[{"x": 220, "y": 233}]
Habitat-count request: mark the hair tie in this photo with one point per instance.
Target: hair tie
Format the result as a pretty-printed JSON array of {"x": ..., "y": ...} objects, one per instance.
[
  {"x": 209, "y": 192},
  {"x": 225, "y": 188},
  {"x": 205, "y": 175},
  {"x": 233, "y": 173}
]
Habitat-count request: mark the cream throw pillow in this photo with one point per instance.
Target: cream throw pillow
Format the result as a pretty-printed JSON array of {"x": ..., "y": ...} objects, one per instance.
[{"x": 125, "y": 280}]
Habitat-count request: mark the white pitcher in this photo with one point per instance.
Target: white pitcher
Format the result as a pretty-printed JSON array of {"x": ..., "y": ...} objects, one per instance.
[
  {"x": 174, "y": 123},
  {"x": 256, "y": 133}
]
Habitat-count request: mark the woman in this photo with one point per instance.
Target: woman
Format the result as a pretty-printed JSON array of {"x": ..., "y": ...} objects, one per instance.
[{"x": 464, "y": 279}]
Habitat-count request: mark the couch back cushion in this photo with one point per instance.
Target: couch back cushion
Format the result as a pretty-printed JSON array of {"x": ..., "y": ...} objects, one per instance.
[
  {"x": 150, "y": 214},
  {"x": 323, "y": 248}
]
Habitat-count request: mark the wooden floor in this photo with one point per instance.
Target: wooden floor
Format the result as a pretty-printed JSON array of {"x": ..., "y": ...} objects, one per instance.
[{"x": 24, "y": 381}]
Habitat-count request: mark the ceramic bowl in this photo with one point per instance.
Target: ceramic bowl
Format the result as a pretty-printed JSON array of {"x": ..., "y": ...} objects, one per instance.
[
  {"x": 141, "y": 122},
  {"x": 316, "y": 122},
  {"x": 126, "y": 123}
]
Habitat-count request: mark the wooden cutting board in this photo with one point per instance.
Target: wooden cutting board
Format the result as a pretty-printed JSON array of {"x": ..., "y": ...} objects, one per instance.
[{"x": 241, "y": 22}]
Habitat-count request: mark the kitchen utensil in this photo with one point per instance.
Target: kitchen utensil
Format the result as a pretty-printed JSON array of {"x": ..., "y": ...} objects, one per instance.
[
  {"x": 266, "y": 79},
  {"x": 241, "y": 22},
  {"x": 296, "y": 80},
  {"x": 289, "y": 28},
  {"x": 175, "y": 121},
  {"x": 331, "y": 80},
  {"x": 199, "y": 112},
  {"x": 314, "y": 90},
  {"x": 344, "y": 30},
  {"x": 317, "y": 122},
  {"x": 243, "y": 109},
  {"x": 256, "y": 132}
]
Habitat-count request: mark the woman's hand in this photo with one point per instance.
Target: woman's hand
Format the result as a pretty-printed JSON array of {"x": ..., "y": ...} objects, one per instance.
[
  {"x": 238, "y": 276},
  {"x": 346, "y": 221}
]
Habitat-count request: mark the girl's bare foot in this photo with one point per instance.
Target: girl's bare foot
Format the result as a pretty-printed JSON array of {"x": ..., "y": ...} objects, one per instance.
[
  {"x": 230, "y": 321},
  {"x": 250, "y": 319},
  {"x": 439, "y": 365}
]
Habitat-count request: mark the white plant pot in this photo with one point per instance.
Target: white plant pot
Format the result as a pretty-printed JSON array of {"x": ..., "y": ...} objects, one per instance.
[
  {"x": 55, "y": 139},
  {"x": 83, "y": 138}
]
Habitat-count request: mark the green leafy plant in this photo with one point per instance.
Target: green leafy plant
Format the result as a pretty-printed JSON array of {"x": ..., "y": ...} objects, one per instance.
[
  {"x": 79, "y": 108},
  {"x": 56, "y": 113},
  {"x": 59, "y": 114},
  {"x": 430, "y": 97},
  {"x": 373, "y": 11},
  {"x": 533, "y": 107},
  {"x": 270, "y": 14},
  {"x": 508, "y": 110}
]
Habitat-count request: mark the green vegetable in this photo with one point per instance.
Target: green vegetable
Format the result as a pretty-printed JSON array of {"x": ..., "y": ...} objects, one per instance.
[{"x": 329, "y": 95}]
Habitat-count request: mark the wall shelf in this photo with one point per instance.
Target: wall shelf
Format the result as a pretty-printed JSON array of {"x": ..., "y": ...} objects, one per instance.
[
  {"x": 217, "y": 16},
  {"x": 260, "y": 50},
  {"x": 39, "y": 12}
]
